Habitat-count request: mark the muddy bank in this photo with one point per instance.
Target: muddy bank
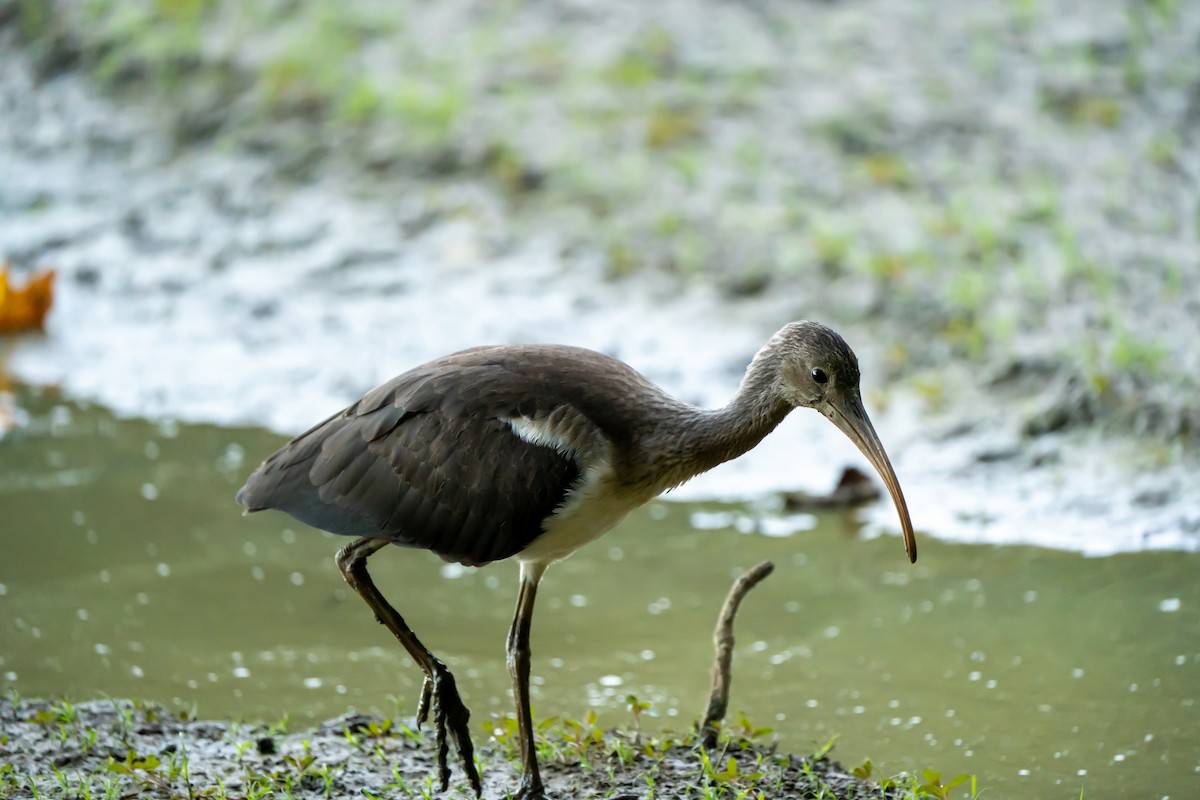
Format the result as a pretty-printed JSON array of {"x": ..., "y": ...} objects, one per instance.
[
  {"x": 119, "y": 748},
  {"x": 1004, "y": 194}
]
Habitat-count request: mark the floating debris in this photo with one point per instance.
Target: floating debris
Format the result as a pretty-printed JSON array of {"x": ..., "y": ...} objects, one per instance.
[{"x": 853, "y": 488}]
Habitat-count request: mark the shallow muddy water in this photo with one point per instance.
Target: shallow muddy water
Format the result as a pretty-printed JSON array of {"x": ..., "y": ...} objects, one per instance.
[{"x": 127, "y": 571}]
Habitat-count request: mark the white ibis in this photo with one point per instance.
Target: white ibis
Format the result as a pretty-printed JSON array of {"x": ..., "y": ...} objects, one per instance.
[{"x": 530, "y": 452}]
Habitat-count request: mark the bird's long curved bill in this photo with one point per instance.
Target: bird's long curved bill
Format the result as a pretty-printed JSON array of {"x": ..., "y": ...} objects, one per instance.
[{"x": 851, "y": 419}]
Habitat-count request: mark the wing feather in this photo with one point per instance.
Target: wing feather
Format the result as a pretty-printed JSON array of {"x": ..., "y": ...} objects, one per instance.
[{"x": 426, "y": 460}]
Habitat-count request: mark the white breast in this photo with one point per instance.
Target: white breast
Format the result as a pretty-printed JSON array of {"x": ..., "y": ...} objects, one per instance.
[
  {"x": 590, "y": 511},
  {"x": 598, "y": 501}
]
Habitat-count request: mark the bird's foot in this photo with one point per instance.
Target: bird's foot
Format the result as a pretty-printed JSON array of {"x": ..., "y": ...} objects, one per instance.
[
  {"x": 531, "y": 788},
  {"x": 440, "y": 693}
]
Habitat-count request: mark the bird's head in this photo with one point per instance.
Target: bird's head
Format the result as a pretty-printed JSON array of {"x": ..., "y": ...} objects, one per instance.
[{"x": 817, "y": 369}]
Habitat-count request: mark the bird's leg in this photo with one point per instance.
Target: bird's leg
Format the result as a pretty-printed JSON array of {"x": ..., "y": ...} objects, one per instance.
[
  {"x": 439, "y": 690},
  {"x": 518, "y": 668}
]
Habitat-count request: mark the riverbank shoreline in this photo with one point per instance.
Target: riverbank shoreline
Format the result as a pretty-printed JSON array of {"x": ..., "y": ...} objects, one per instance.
[
  {"x": 122, "y": 748},
  {"x": 1005, "y": 196}
]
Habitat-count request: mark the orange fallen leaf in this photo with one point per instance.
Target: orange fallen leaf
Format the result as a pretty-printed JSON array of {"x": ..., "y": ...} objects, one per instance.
[{"x": 23, "y": 307}]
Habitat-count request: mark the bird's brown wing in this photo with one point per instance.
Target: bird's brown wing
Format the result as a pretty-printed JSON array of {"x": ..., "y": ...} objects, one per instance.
[{"x": 426, "y": 460}]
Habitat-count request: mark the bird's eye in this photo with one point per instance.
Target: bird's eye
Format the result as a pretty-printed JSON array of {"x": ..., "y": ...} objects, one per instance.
[{"x": 819, "y": 375}]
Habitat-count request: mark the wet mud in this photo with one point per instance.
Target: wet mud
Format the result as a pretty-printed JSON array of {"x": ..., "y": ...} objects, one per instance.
[{"x": 119, "y": 748}]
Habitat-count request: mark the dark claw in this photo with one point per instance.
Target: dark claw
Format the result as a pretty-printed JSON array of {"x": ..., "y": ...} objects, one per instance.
[{"x": 441, "y": 693}]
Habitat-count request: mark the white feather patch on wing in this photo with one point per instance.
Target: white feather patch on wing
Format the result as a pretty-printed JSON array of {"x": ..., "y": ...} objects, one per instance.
[{"x": 542, "y": 432}]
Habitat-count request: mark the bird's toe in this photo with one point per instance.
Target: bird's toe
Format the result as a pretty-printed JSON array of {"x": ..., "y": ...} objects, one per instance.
[
  {"x": 423, "y": 703},
  {"x": 451, "y": 716},
  {"x": 532, "y": 790}
]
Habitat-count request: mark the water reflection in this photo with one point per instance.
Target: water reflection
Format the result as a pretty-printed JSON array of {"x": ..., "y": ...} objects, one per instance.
[{"x": 1042, "y": 672}]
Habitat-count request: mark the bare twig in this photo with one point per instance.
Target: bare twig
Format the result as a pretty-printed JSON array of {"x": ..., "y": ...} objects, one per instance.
[{"x": 718, "y": 697}]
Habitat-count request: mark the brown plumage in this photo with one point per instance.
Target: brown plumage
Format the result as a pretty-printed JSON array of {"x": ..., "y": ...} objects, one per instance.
[{"x": 531, "y": 451}]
